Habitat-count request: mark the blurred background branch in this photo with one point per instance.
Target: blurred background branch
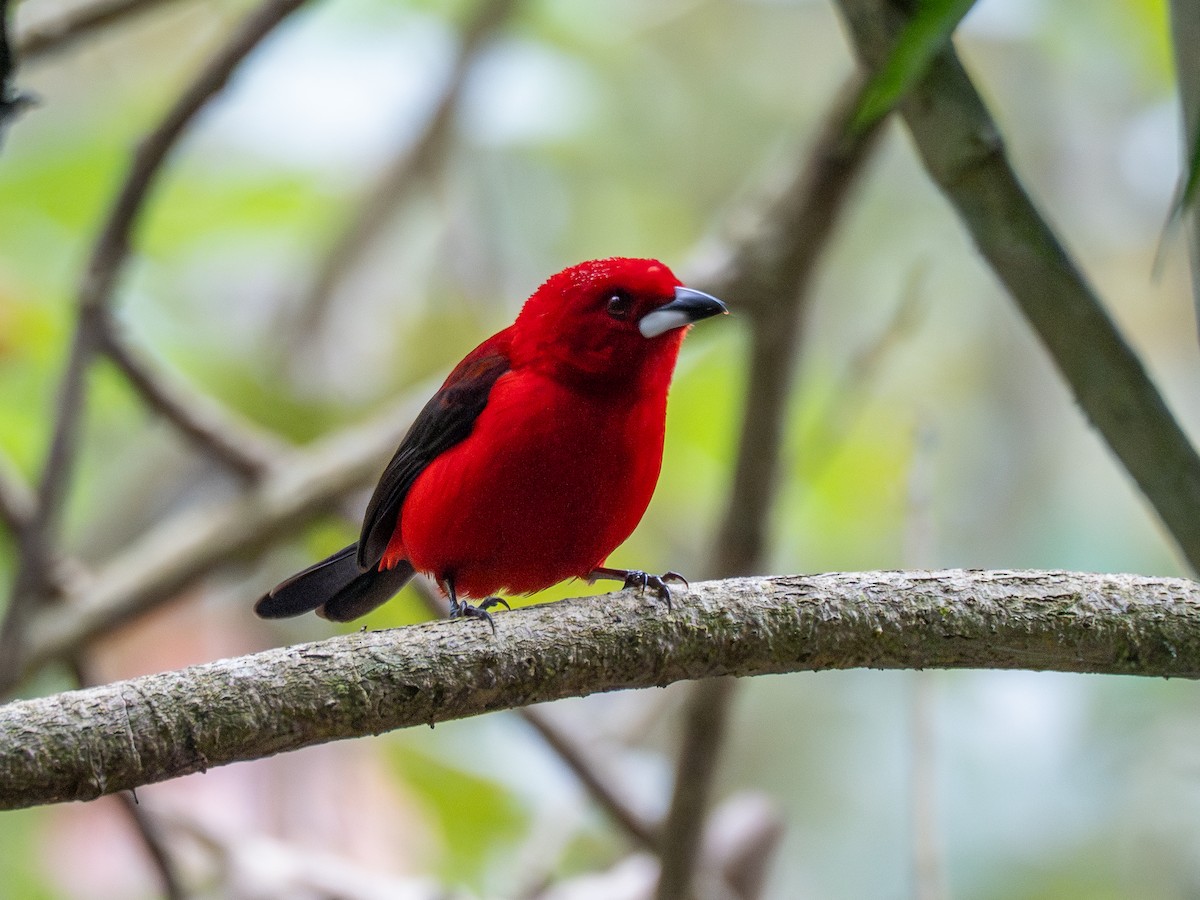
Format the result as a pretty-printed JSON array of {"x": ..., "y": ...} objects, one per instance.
[
  {"x": 705, "y": 720},
  {"x": 216, "y": 431},
  {"x": 75, "y": 23},
  {"x": 108, "y": 258},
  {"x": 962, "y": 149},
  {"x": 767, "y": 270},
  {"x": 195, "y": 541},
  {"x": 415, "y": 158},
  {"x": 512, "y": 139}
]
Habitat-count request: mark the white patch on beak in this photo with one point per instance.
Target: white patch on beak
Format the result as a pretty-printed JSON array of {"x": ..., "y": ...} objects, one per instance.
[{"x": 661, "y": 321}]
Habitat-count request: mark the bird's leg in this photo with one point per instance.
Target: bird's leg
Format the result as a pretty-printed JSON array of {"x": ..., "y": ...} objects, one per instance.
[
  {"x": 640, "y": 580},
  {"x": 462, "y": 609}
]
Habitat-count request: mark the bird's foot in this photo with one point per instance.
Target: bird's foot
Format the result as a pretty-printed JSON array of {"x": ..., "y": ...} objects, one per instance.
[
  {"x": 635, "y": 578},
  {"x": 462, "y": 609}
]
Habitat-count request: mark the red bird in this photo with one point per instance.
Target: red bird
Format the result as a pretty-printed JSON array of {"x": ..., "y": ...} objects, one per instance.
[{"x": 535, "y": 459}]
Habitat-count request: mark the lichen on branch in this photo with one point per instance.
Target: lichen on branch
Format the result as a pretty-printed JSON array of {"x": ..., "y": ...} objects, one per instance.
[{"x": 82, "y": 744}]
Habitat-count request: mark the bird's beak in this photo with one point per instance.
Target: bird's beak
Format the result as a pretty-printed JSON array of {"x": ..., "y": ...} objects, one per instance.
[{"x": 688, "y": 306}]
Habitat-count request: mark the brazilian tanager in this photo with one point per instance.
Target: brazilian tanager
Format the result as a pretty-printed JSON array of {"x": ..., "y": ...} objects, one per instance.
[{"x": 535, "y": 459}]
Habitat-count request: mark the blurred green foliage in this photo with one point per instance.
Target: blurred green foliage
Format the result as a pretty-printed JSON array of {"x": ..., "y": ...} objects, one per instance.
[
  {"x": 22, "y": 862},
  {"x": 630, "y": 128},
  {"x": 478, "y": 819}
]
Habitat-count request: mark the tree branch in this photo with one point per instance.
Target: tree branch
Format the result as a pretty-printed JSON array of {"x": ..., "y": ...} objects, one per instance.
[
  {"x": 78, "y": 22},
  {"x": 111, "y": 251},
  {"x": 109, "y": 255},
  {"x": 82, "y": 744},
  {"x": 769, "y": 271},
  {"x": 400, "y": 174},
  {"x": 704, "y": 723},
  {"x": 963, "y": 152},
  {"x": 192, "y": 543},
  {"x": 230, "y": 440}
]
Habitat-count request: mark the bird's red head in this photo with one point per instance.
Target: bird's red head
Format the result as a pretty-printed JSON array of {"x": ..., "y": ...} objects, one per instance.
[{"x": 614, "y": 319}]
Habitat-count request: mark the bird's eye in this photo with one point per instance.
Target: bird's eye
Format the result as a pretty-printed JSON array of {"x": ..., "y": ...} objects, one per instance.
[{"x": 619, "y": 305}]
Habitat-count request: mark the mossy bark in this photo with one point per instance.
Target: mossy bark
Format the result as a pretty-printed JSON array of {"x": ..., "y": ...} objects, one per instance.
[{"x": 82, "y": 744}]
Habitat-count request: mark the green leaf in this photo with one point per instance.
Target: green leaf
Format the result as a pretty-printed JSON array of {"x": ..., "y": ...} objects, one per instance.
[
  {"x": 1187, "y": 197},
  {"x": 923, "y": 36}
]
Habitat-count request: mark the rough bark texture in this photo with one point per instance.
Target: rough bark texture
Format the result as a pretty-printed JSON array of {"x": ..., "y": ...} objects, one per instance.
[{"x": 82, "y": 744}]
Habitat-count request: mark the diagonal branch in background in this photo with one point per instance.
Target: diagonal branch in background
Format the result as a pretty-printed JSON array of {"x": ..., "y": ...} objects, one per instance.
[
  {"x": 82, "y": 744},
  {"x": 153, "y": 841},
  {"x": 569, "y": 750},
  {"x": 603, "y": 790},
  {"x": 191, "y": 544},
  {"x": 400, "y": 175},
  {"x": 231, "y": 440},
  {"x": 108, "y": 258},
  {"x": 961, "y": 148},
  {"x": 148, "y": 833},
  {"x": 61, "y": 32},
  {"x": 770, "y": 275},
  {"x": 705, "y": 717},
  {"x": 769, "y": 272}
]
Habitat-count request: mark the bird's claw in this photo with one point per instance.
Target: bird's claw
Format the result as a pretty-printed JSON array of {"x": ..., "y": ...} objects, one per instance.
[
  {"x": 657, "y": 583},
  {"x": 465, "y": 610}
]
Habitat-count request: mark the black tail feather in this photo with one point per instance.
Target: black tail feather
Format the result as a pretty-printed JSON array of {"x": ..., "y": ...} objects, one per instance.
[
  {"x": 336, "y": 587},
  {"x": 370, "y": 589}
]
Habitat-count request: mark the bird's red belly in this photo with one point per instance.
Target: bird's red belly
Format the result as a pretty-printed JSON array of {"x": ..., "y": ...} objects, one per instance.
[{"x": 542, "y": 490}]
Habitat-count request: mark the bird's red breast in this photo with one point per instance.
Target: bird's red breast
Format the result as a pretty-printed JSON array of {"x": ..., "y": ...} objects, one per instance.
[
  {"x": 562, "y": 461},
  {"x": 535, "y": 458}
]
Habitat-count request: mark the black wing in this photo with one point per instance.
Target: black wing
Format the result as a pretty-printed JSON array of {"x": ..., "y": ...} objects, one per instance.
[{"x": 446, "y": 419}]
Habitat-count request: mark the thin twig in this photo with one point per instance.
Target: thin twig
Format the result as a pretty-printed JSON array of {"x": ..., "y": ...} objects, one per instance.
[
  {"x": 81, "y": 744},
  {"x": 241, "y": 447},
  {"x": 400, "y": 175},
  {"x": 962, "y": 150},
  {"x": 153, "y": 840},
  {"x": 108, "y": 258},
  {"x": 147, "y": 830},
  {"x": 192, "y": 543},
  {"x": 601, "y": 788},
  {"x": 75, "y": 23},
  {"x": 770, "y": 276}
]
